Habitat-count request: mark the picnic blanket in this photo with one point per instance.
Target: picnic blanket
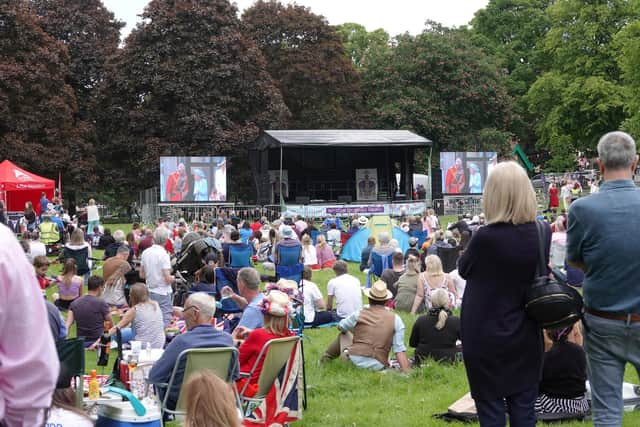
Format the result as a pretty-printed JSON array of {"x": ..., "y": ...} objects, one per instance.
[{"x": 283, "y": 403}]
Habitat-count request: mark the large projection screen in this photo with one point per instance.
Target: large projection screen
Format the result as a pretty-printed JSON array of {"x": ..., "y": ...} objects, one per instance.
[
  {"x": 193, "y": 179},
  {"x": 465, "y": 172}
]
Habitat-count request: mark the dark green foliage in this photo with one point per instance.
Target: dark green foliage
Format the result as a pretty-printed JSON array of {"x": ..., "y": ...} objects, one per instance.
[
  {"x": 187, "y": 82},
  {"x": 306, "y": 58}
]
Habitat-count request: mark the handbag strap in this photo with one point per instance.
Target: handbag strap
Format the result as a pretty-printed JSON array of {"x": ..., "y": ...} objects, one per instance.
[{"x": 541, "y": 268}]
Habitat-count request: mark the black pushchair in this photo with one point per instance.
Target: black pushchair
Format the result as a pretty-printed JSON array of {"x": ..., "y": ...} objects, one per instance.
[{"x": 196, "y": 251}]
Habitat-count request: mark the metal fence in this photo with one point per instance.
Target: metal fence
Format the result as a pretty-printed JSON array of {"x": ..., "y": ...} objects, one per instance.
[{"x": 458, "y": 205}]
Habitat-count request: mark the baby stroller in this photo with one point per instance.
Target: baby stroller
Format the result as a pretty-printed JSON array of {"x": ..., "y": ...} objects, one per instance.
[{"x": 195, "y": 251}]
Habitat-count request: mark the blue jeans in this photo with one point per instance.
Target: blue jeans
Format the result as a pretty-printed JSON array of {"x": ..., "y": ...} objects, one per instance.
[
  {"x": 609, "y": 344},
  {"x": 166, "y": 306},
  {"x": 520, "y": 407}
]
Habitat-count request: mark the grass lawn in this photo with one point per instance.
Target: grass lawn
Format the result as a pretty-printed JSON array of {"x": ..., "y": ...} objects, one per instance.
[{"x": 342, "y": 395}]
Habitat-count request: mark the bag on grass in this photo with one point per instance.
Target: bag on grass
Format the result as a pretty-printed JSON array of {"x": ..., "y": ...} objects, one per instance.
[{"x": 463, "y": 409}]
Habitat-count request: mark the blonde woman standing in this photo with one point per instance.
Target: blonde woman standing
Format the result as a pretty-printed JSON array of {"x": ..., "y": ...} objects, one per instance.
[{"x": 503, "y": 347}]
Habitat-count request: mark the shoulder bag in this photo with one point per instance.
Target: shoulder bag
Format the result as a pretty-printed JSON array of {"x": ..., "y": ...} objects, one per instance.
[{"x": 550, "y": 302}]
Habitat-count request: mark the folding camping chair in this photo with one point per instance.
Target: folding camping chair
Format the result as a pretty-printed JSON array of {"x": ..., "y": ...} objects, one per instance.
[
  {"x": 226, "y": 305},
  {"x": 222, "y": 361},
  {"x": 276, "y": 353},
  {"x": 378, "y": 264},
  {"x": 71, "y": 356},
  {"x": 240, "y": 255},
  {"x": 289, "y": 265}
]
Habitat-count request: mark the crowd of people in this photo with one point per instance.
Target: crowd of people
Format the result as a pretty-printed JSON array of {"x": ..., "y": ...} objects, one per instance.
[{"x": 480, "y": 265}]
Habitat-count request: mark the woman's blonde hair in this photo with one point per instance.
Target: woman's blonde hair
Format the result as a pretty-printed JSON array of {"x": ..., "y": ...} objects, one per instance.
[
  {"x": 320, "y": 241},
  {"x": 509, "y": 196},
  {"x": 77, "y": 237},
  {"x": 306, "y": 241},
  {"x": 440, "y": 300},
  {"x": 276, "y": 325},
  {"x": 210, "y": 402},
  {"x": 433, "y": 266}
]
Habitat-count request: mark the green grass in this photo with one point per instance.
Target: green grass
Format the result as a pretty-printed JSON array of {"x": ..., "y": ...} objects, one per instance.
[{"x": 341, "y": 395}]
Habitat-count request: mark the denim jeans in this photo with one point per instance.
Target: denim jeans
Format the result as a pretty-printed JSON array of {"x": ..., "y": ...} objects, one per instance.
[
  {"x": 166, "y": 306},
  {"x": 609, "y": 344},
  {"x": 520, "y": 406}
]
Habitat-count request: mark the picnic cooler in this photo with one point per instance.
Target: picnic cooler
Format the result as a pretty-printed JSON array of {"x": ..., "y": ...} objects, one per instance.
[
  {"x": 122, "y": 414},
  {"x": 129, "y": 413}
]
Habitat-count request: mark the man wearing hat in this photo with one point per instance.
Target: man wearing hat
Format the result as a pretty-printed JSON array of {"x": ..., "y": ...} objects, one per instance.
[{"x": 367, "y": 336}]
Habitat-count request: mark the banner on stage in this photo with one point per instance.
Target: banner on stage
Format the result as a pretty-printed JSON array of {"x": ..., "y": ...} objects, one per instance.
[
  {"x": 320, "y": 211},
  {"x": 274, "y": 180},
  {"x": 366, "y": 184}
]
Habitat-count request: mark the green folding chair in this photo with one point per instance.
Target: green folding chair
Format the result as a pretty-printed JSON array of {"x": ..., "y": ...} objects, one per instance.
[
  {"x": 277, "y": 353},
  {"x": 71, "y": 356},
  {"x": 221, "y": 361}
]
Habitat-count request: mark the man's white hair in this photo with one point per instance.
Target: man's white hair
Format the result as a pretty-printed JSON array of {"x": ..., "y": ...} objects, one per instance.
[
  {"x": 205, "y": 303},
  {"x": 384, "y": 237},
  {"x": 617, "y": 150},
  {"x": 118, "y": 236},
  {"x": 160, "y": 235}
]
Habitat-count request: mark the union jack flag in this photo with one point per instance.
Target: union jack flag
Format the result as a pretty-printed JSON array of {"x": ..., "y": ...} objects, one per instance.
[{"x": 283, "y": 403}]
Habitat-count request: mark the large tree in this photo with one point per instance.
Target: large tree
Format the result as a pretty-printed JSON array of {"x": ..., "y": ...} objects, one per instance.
[
  {"x": 91, "y": 33},
  {"x": 361, "y": 45},
  {"x": 512, "y": 31},
  {"x": 442, "y": 87},
  {"x": 306, "y": 57},
  {"x": 186, "y": 83},
  {"x": 580, "y": 97},
  {"x": 37, "y": 107}
]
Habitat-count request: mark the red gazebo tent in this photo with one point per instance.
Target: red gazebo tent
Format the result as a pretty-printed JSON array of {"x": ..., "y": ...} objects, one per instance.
[{"x": 18, "y": 186}]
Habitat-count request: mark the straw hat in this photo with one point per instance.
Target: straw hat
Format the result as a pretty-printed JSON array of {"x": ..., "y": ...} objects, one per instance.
[
  {"x": 363, "y": 220},
  {"x": 378, "y": 292},
  {"x": 275, "y": 303}
]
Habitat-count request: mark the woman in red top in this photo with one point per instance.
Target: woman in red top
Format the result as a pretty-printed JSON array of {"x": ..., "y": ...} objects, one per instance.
[
  {"x": 275, "y": 309},
  {"x": 553, "y": 197}
]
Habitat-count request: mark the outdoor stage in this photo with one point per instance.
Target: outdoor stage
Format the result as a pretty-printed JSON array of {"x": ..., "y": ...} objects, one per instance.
[{"x": 334, "y": 166}]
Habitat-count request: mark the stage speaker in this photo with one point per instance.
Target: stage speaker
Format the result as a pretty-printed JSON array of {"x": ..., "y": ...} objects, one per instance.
[
  {"x": 345, "y": 199},
  {"x": 436, "y": 184},
  {"x": 302, "y": 200}
]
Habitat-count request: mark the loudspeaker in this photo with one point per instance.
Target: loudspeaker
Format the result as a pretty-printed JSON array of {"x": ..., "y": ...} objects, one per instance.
[{"x": 436, "y": 183}]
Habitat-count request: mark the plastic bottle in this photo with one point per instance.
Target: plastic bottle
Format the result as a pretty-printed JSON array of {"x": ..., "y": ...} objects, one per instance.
[{"x": 94, "y": 386}]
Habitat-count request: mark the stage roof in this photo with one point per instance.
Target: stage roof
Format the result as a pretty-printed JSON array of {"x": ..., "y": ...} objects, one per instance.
[{"x": 340, "y": 137}]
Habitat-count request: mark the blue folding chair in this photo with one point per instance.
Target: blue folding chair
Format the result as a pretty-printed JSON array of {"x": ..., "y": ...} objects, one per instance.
[
  {"x": 240, "y": 255},
  {"x": 421, "y": 236},
  {"x": 226, "y": 305},
  {"x": 378, "y": 264},
  {"x": 289, "y": 265}
]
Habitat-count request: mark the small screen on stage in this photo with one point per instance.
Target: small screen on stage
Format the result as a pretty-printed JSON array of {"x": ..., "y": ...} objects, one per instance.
[
  {"x": 465, "y": 173},
  {"x": 193, "y": 179}
]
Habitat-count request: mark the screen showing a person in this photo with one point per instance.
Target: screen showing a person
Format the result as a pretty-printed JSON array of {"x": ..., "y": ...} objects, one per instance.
[
  {"x": 193, "y": 179},
  {"x": 465, "y": 173}
]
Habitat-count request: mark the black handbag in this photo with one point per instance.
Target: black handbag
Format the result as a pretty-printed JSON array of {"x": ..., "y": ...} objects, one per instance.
[{"x": 550, "y": 302}]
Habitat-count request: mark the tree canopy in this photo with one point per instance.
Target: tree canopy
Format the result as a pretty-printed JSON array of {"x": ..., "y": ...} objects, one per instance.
[
  {"x": 186, "y": 83},
  {"x": 306, "y": 57},
  {"x": 37, "y": 106}
]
